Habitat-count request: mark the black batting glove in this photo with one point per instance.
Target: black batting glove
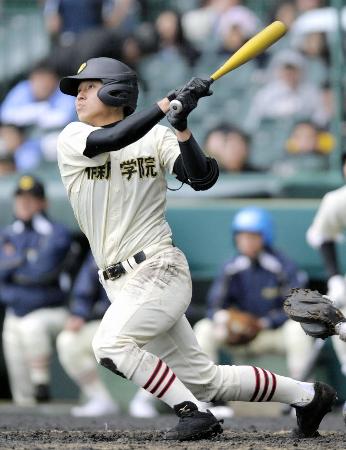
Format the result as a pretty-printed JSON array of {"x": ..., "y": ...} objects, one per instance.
[
  {"x": 189, "y": 101},
  {"x": 172, "y": 95},
  {"x": 200, "y": 87},
  {"x": 178, "y": 121}
]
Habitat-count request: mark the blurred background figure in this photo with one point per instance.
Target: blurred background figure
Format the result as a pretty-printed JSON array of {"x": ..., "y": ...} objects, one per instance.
[
  {"x": 326, "y": 230},
  {"x": 172, "y": 51},
  {"x": 89, "y": 303},
  {"x": 83, "y": 29},
  {"x": 230, "y": 146},
  {"x": 207, "y": 16},
  {"x": 24, "y": 151},
  {"x": 307, "y": 149},
  {"x": 255, "y": 282},
  {"x": 288, "y": 96},
  {"x": 315, "y": 50},
  {"x": 171, "y": 39},
  {"x": 7, "y": 164},
  {"x": 37, "y": 104},
  {"x": 66, "y": 19},
  {"x": 32, "y": 254}
]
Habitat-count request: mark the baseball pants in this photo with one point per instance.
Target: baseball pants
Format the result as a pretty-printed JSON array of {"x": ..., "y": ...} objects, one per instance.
[
  {"x": 147, "y": 320},
  {"x": 28, "y": 347}
]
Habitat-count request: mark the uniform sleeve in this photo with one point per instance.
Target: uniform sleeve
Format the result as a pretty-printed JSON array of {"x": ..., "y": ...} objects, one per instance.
[
  {"x": 168, "y": 149},
  {"x": 72, "y": 143},
  {"x": 86, "y": 289},
  {"x": 330, "y": 219}
]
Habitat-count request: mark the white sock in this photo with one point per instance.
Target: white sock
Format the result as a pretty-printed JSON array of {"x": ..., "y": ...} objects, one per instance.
[
  {"x": 261, "y": 385},
  {"x": 156, "y": 377}
]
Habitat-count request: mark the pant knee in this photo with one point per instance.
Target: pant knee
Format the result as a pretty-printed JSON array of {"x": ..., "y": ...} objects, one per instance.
[
  {"x": 115, "y": 355},
  {"x": 66, "y": 346}
]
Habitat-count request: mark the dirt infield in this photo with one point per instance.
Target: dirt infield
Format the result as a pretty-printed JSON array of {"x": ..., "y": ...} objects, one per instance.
[{"x": 51, "y": 427}]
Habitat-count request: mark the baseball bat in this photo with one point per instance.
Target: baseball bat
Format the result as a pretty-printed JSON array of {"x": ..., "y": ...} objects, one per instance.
[{"x": 253, "y": 47}]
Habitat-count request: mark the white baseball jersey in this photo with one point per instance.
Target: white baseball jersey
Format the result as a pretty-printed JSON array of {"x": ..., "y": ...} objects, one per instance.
[
  {"x": 119, "y": 197},
  {"x": 330, "y": 220}
]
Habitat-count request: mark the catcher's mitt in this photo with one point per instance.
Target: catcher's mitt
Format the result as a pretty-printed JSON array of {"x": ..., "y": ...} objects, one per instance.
[
  {"x": 236, "y": 327},
  {"x": 315, "y": 312}
]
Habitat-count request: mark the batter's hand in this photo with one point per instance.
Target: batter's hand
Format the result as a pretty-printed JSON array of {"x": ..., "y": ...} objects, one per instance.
[
  {"x": 199, "y": 87},
  {"x": 179, "y": 120}
]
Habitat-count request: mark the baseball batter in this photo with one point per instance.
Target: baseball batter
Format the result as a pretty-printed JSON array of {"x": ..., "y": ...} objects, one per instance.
[{"x": 113, "y": 164}]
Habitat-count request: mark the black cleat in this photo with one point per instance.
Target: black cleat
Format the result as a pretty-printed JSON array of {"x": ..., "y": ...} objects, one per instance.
[
  {"x": 193, "y": 424},
  {"x": 310, "y": 416},
  {"x": 42, "y": 393}
]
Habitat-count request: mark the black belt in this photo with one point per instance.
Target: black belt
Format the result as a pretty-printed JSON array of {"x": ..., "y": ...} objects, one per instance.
[{"x": 116, "y": 270}]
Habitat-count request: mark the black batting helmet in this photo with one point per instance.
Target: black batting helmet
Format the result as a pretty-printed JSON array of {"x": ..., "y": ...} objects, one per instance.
[{"x": 120, "y": 87}]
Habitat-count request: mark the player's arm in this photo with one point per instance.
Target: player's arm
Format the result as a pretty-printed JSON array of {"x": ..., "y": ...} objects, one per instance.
[
  {"x": 135, "y": 126},
  {"x": 323, "y": 235},
  {"x": 192, "y": 166},
  {"x": 126, "y": 131},
  {"x": 330, "y": 258}
]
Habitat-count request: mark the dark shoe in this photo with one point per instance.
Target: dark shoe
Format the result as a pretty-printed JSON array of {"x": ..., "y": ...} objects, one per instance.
[
  {"x": 193, "y": 424},
  {"x": 42, "y": 393},
  {"x": 310, "y": 416}
]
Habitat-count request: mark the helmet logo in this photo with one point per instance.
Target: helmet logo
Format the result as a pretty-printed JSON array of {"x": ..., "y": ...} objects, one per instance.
[
  {"x": 82, "y": 67},
  {"x": 26, "y": 183}
]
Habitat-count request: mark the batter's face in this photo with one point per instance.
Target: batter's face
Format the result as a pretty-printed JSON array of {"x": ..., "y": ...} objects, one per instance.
[{"x": 89, "y": 107}]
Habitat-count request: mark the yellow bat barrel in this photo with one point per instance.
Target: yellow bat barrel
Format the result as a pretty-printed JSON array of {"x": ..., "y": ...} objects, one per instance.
[{"x": 253, "y": 47}]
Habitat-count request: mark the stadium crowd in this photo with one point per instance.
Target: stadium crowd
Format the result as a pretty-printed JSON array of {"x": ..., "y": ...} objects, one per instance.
[{"x": 265, "y": 99}]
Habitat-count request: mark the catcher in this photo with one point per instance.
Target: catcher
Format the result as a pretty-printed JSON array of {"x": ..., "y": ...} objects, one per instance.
[{"x": 245, "y": 302}]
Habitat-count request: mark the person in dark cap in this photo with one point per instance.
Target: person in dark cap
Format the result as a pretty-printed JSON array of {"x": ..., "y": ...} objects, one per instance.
[{"x": 32, "y": 253}]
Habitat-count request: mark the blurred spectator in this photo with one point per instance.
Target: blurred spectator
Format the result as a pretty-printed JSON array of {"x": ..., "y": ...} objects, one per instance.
[
  {"x": 84, "y": 29},
  {"x": 288, "y": 96},
  {"x": 170, "y": 65},
  {"x": 66, "y": 19},
  {"x": 199, "y": 24},
  {"x": 285, "y": 11},
  {"x": 230, "y": 146},
  {"x": 308, "y": 5},
  {"x": 32, "y": 254},
  {"x": 171, "y": 38},
  {"x": 254, "y": 281},
  {"x": 37, "y": 101},
  {"x": 314, "y": 48},
  {"x": 7, "y": 164},
  {"x": 25, "y": 152},
  {"x": 307, "y": 149},
  {"x": 38, "y": 104},
  {"x": 88, "y": 306},
  {"x": 236, "y": 26}
]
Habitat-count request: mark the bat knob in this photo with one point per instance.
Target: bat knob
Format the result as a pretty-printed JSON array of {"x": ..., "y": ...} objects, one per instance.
[{"x": 176, "y": 106}]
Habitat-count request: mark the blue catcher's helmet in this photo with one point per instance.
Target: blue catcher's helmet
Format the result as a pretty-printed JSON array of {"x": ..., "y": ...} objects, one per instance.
[{"x": 254, "y": 220}]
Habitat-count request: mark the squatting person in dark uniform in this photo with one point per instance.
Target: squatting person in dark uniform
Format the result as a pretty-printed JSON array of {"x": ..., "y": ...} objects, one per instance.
[
  {"x": 255, "y": 281},
  {"x": 32, "y": 254}
]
